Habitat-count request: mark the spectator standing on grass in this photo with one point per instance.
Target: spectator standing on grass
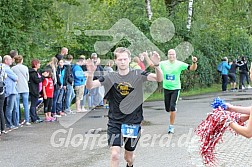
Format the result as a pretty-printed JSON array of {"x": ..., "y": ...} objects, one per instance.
[
  {"x": 232, "y": 75},
  {"x": 243, "y": 72},
  {"x": 224, "y": 73}
]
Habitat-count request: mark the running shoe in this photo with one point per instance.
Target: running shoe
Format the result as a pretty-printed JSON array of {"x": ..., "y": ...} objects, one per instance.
[{"x": 171, "y": 129}]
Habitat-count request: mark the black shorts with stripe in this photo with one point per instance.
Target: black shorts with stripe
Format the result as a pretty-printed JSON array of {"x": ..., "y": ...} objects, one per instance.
[{"x": 170, "y": 99}]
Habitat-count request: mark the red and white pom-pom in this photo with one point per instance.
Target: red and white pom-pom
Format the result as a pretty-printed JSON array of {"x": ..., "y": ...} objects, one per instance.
[{"x": 211, "y": 131}]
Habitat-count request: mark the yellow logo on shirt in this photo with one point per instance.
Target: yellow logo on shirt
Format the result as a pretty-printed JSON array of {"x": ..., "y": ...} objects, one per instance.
[{"x": 124, "y": 88}]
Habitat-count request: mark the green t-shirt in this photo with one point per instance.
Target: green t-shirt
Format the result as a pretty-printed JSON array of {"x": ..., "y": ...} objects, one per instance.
[{"x": 171, "y": 74}]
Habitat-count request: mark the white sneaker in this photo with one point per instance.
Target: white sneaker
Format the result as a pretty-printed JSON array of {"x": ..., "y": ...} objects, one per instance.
[
  {"x": 73, "y": 112},
  {"x": 62, "y": 114},
  {"x": 27, "y": 123},
  {"x": 70, "y": 112},
  {"x": 56, "y": 116},
  {"x": 249, "y": 87},
  {"x": 243, "y": 87}
]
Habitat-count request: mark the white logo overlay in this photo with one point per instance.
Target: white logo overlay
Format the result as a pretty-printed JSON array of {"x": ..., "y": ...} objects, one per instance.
[{"x": 94, "y": 139}]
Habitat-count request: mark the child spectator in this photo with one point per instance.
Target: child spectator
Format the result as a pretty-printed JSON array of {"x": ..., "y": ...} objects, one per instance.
[{"x": 48, "y": 89}]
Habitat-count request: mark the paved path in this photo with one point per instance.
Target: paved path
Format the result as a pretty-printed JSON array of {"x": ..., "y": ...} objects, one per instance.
[{"x": 80, "y": 140}]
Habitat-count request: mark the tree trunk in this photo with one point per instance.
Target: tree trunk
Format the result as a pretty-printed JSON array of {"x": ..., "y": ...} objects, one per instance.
[
  {"x": 170, "y": 5},
  {"x": 148, "y": 9},
  {"x": 189, "y": 18}
]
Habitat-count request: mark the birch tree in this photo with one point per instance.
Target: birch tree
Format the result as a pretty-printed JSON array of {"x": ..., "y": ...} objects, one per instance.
[
  {"x": 189, "y": 18},
  {"x": 148, "y": 9}
]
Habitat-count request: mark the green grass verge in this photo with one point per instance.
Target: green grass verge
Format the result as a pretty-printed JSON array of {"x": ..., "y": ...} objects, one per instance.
[{"x": 195, "y": 91}]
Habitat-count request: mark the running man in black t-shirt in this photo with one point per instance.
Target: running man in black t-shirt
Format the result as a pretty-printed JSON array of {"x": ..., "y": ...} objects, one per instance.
[{"x": 124, "y": 90}]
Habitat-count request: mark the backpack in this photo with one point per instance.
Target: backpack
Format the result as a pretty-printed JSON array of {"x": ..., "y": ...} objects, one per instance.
[
  {"x": 69, "y": 71},
  {"x": 219, "y": 67}
]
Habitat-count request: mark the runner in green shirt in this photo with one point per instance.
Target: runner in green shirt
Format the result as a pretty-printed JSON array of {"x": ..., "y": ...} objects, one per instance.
[{"x": 172, "y": 69}]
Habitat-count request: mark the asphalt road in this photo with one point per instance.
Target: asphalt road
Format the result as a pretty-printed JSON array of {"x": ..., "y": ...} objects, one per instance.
[{"x": 80, "y": 140}]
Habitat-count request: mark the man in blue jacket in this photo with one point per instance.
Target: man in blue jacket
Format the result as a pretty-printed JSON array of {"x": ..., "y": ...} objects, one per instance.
[
  {"x": 224, "y": 73},
  {"x": 10, "y": 94},
  {"x": 79, "y": 81}
]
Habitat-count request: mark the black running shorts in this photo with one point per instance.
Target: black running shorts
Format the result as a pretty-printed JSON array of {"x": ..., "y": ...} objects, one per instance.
[
  {"x": 170, "y": 99},
  {"x": 115, "y": 137}
]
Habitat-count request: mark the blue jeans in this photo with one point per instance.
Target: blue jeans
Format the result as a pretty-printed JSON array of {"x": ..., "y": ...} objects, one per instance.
[
  {"x": 25, "y": 99},
  {"x": 12, "y": 114},
  {"x": 59, "y": 101},
  {"x": 69, "y": 96},
  {"x": 55, "y": 97},
  {"x": 92, "y": 94},
  {"x": 100, "y": 96},
  {"x": 95, "y": 98}
]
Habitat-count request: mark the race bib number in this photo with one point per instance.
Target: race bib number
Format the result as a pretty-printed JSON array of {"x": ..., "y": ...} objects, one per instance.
[
  {"x": 170, "y": 77},
  {"x": 130, "y": 131}
]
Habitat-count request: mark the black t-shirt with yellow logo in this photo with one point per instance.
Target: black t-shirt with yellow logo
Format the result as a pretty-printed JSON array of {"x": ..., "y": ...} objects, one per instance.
[{"x": 125, "y": 95}]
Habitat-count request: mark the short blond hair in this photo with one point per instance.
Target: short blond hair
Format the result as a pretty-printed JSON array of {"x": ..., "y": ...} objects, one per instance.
[{"x": 121, "y": 50}]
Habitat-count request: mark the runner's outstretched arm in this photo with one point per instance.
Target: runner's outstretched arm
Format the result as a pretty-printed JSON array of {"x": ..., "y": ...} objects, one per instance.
[
  {"x": 91, "y": 69},
  {"x": 194, "y": 65},
  {"x": 158, "y": 76}
]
